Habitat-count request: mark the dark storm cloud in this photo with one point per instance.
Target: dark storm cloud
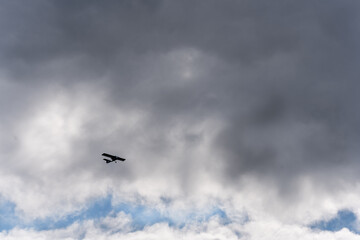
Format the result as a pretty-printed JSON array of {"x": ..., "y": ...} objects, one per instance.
[{"x": 284, "y": 83}]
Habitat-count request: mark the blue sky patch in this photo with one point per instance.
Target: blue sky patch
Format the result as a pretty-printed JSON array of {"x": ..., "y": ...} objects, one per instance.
[
  {"x": 141, "y": 215},
  {"x": 343, "y": 219},
  {"x": 8, "y": 218},
  {"x": 96, "y": 209}
]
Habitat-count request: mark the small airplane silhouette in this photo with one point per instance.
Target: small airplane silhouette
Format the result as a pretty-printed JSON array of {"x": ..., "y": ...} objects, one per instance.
[{"x": 112, "y": 158}]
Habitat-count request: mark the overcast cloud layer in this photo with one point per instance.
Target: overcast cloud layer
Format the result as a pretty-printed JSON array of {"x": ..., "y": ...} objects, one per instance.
[{"x": 243, "y": 114}]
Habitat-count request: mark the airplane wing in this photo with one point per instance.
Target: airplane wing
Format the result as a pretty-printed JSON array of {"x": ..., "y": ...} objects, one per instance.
[
  {"x": 120, "y": 159},
  {"x": 109, "y": 156}
]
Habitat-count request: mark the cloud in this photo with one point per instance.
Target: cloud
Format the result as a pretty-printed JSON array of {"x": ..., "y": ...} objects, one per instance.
[
  {"x": 249, "y": 105},
  {"x": 205, "y": 230}
]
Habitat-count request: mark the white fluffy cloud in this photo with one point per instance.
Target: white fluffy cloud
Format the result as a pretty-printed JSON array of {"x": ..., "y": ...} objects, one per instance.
[{"x": 118, "y": 227}]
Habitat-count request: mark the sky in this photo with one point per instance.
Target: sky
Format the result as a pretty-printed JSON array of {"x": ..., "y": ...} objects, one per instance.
[{"x": 238, "y": 119}]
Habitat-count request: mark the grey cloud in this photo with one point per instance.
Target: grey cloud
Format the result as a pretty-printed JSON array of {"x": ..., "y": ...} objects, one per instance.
[{"x": 281, "y": 76}]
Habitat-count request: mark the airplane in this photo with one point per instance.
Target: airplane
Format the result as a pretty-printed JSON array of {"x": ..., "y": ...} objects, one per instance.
[{"x": 112, "y": 158}]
